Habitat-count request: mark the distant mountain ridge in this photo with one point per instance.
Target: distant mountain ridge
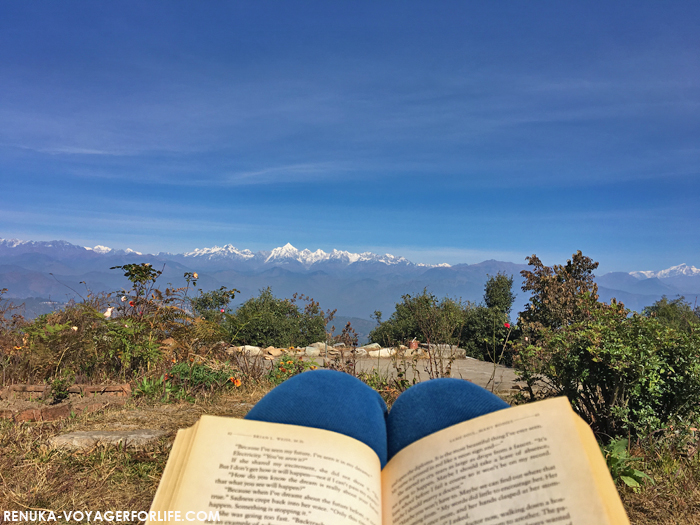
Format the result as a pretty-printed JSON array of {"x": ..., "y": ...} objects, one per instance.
[
  {"x": 356, "y": 284},
  {"x": 673, "y": 271},
  {"x": 287, "y": 253}
]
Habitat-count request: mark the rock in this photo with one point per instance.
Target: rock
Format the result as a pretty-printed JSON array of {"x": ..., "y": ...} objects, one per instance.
[
  {"x": 372, "y": 346},
  {"x": 88, "y": 439},
  {"x": 312, "y": 351},
  {"x": 403, "y": 347},
  {"x": 361, "y": 352},
  {"x": 274, "y": 352},
  {"x": 382, "y": 352},
  {"x": 252, "y": 351},
  {"x": 320, "y": 345},
  {"x": 338, "y": 344}
]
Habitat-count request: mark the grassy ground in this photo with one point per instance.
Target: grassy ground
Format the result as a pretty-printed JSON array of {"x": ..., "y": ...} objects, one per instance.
[
  {"x": 35, "y": 476},
  {"x": 674, "y": 498}
]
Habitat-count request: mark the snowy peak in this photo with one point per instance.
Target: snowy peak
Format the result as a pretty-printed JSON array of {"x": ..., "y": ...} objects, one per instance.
[
  {"x": 673, "y": 271},
  {"x": 307, "y": 257},
  {"x": 99, "y": 249},
  {"x": 105, "y": 250},
  {"x": 289, "y": 252},
  {"x": 226, "y": 252}
]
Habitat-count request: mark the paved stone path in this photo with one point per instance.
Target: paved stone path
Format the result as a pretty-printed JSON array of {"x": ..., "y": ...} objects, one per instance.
[{"x": 478, "y": 372}]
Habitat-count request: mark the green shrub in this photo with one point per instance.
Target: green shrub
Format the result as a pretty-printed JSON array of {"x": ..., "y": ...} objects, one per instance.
[
  {"x": 677, "y": 314},
  {"x": 479, "y": 330},
  {"x": 625, "y": 375},
  {"x": 423, "y": 317},
  {"x": 212, "y": 305},
  {"x": 268, "y": 321},
  {"x": 200, "y": 376},
  {"x": 484, "y": 333}
]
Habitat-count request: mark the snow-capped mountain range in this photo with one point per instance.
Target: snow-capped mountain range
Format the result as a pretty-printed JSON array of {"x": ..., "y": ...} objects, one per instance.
[
  {"x": 673, "y": 271},
  {"x": 355, "y": 283},
  {"x": 306, "y": 257}
]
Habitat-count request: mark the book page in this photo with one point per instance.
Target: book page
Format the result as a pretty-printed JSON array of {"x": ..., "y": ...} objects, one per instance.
[
  {"x": 606, "y": 486},
  {"x": 525, "y": 465},
  {"x": 257, "y": 472},
  {"x": 173, "y": 468}
]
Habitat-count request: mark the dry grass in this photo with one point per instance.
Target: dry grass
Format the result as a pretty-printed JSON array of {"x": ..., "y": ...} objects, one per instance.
[
  {"x": 34, "y": 476},
  {"x": 674, "y": 498}
]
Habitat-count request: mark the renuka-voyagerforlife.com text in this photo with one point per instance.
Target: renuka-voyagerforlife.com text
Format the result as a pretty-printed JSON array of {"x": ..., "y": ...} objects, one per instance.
[{"x": 108, "y": 516}]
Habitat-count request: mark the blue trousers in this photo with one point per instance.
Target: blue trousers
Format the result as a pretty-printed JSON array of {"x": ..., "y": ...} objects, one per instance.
[{"x": 338, "y": 402}]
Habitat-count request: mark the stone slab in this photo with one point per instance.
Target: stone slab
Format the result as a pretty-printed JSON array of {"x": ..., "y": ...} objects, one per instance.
[{"x": 88, "y": 439}]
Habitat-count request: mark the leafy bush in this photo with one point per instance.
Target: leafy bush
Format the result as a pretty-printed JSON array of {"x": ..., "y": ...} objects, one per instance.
[
  {"x": 479, "y": 330},
  {"x": 212, "y": 305},
  {"x": 423, "y": 317},
  {"x": 677, "y": 314},
  {"x": 625, "y": 375},
  {"x": 268, "y": 321},
  {"x": 484, "y": 333},
  {"x": 201, "y": 376}
]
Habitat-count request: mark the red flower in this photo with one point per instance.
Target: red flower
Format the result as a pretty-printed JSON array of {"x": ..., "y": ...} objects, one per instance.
[
  {"x": 507, "y": 325},
  {"x": 131, "y": 303},
  {"x": 222, "y": 310}
]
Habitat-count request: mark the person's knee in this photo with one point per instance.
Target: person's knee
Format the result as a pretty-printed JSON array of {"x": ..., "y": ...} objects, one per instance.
[{"x": 433, "y": 405}]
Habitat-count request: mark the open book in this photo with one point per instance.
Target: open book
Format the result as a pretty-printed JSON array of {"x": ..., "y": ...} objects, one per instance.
[{"x": 532, "y": 464}]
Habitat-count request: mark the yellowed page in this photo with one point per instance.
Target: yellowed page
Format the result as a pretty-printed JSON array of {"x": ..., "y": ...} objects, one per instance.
[
  {"x": 256, "y": 472},
  {"x": 522, "y": 466},
  {"x": 606, "y": 486},
  {"x": 173, "y": 468}
]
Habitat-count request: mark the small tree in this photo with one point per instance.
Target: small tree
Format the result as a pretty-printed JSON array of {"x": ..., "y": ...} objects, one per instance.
[
  {"x": 498, "y": 293},
  {"x": 557, "y": 292},
  {"x": 677, "y": 314},
  {"x": 212, "y": 304}
]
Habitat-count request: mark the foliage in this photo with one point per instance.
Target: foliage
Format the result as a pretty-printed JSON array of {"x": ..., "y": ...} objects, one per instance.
[
  {"x": 160, "y": 389},
  {"x": 498, "y": 293},
  {"x": 287, "y": 366},
  {"x": 200, "y": 377},
  {"x": 484, "y": 329},
  {"x": 477, "y": 329},
  {"x": 59, "y": 387},
  {"x": 625, "y": 375},
  {"x": 677, "y": 314},
  {"x": 422, "y": 317},
  {"x": 131, "y": 343},
  {"x": 557, "y": 292},
  {"x": 212, "y": 305},
  {"x": 619, "y": 462},
  {"x": 268, "y": 321}
]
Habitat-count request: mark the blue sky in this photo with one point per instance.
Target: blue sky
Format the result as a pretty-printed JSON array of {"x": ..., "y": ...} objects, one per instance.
[{"x": 440, "y": 131}]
